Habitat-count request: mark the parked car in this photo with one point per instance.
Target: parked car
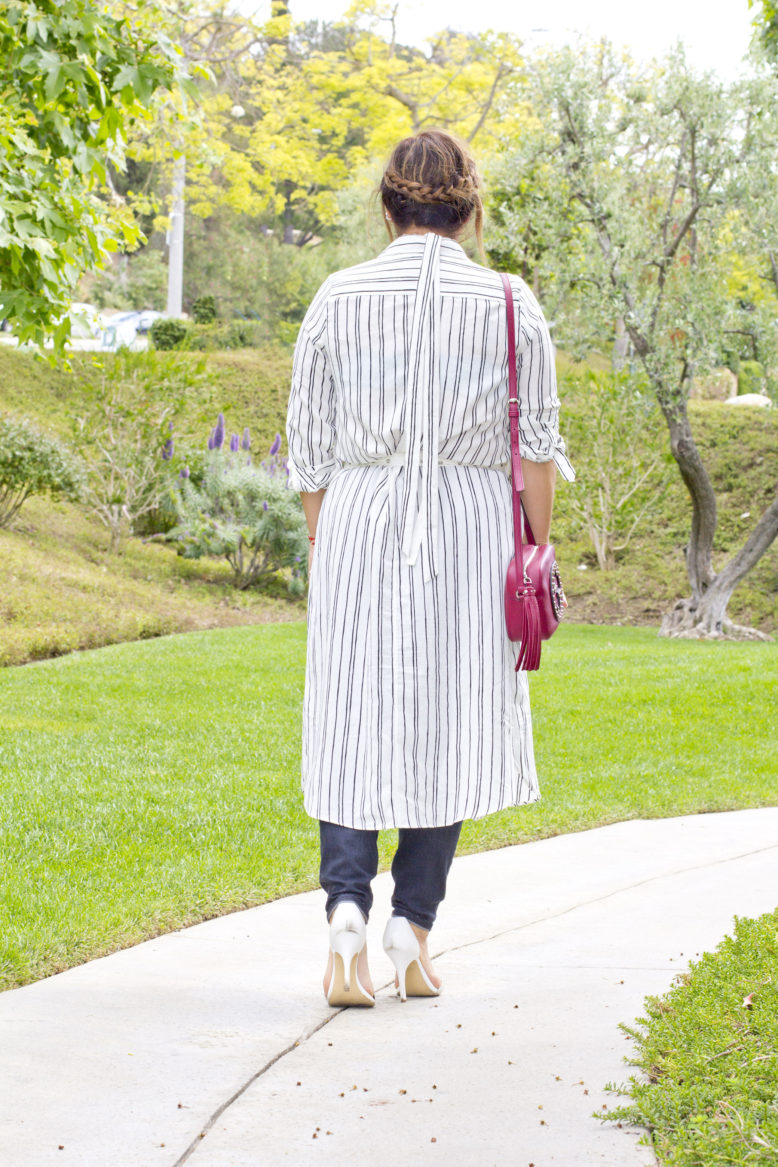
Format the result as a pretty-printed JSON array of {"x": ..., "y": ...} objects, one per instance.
[
  {"x": 128, "y": 329},
  {"x": 94, "y": 331},
  {"x": 86, "y": 328}
]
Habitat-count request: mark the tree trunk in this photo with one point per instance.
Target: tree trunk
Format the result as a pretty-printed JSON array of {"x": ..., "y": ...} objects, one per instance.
[
  {"x": 703, "y": 615},
  {"x": 620, "y": 346},
  {"x": 699, "y": 550},
  {"x": 288, "y": 220}
]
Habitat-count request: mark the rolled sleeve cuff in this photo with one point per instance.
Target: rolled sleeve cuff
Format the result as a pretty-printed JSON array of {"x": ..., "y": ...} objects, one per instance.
[
  {"x": 310, "y": 479},
  {"x": 555, "y": 453}
]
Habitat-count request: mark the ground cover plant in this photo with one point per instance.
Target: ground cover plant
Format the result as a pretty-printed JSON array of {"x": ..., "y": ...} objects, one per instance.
[
  {"x": 708, "y": 1049},
  {"x": 151, "y": 785}
]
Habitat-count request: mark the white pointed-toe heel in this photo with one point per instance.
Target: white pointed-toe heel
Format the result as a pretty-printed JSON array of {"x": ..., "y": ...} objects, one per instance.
[
  {"x": 347, "y": 939},
  {"x": 401, "y": 945}
]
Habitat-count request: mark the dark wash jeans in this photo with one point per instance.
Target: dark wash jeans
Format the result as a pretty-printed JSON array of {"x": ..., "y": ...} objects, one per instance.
[{"x": 349, "y": 862}]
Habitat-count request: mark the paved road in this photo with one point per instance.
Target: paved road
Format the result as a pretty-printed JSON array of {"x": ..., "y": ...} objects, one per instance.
[{"x": 212, "y": 1046}]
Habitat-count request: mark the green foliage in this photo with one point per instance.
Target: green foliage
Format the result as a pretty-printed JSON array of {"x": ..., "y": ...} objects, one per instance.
[
  {"x": 168, "y": 333},
  {"x": 103, "y": 757},
  {"x": 259, "y": 279},
  {"x": 74, "y": 77},
  {"x": 637, "y": 176},
  {"x": 709, "y": 1049},
  {"x": 618, "y": 200},
  {"x": 750, "y": 377},
  {"x": 220, "y": 337},
  {"x": 765, "y": 23},
  {"x": 33, "y": 464},
  {"x": 246, "y": 514},
  {"x": 615, "y": 436},
  {"x": 204, "y": 309},
  {"x": 134, "y": 281},
  {"x": 124, "y": 431}
]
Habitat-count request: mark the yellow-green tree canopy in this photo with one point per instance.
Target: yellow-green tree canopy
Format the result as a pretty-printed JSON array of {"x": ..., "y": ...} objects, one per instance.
[{"x": 293, "y": 111}]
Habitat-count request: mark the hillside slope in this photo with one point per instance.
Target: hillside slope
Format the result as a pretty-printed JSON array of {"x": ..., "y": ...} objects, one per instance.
[{"x": 60, "y": 590}]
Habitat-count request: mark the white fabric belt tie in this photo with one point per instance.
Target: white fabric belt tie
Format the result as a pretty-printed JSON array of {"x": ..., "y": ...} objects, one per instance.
[{"x": 398, "y": 461}]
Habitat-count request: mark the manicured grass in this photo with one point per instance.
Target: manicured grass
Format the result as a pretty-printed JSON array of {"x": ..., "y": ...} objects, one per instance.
[
  {"x": 154, "y": 784},
  {"x": 709, "y": 1052},
  {"x": 61, "y": 590}
]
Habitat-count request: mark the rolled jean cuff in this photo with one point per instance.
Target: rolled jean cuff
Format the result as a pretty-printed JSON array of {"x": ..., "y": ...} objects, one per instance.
[
  {"x": 349, "y": 861},
  {"x": 334, "y": 901},
  {"x": 423, "y": 920}
]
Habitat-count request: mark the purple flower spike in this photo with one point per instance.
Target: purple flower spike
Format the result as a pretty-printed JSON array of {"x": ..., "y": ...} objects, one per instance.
[
  {"x": 210, "y": 439},
  {"x": 234, "y": 444},
  {"x": 218, "y": 433},
  {"x": 184, "y": 472},
  {"x": 246, "y": 443},
  {"x": 167, "y": 450},
  {"x": 264, "y": 506},
  {"x": 276, "y": 445}
]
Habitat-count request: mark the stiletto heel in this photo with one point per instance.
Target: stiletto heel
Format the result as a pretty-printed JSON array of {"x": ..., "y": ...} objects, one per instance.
[
  {"x": 347, "y": 939},
  {"x": 401, "y": 945}
]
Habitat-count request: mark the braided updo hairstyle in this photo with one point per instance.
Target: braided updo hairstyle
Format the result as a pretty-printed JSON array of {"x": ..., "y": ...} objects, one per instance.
[{"x": 431, "y": 181}]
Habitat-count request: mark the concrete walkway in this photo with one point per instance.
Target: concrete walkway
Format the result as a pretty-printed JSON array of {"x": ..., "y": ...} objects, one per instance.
[{"x": 213, "y": 1046}]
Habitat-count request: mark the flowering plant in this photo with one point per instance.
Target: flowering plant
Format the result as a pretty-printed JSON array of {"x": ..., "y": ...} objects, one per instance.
[{"x": 241, "y": 512}]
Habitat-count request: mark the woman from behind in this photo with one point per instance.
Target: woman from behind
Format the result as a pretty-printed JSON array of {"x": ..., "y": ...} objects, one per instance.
[{"x": 413, "y": 714}]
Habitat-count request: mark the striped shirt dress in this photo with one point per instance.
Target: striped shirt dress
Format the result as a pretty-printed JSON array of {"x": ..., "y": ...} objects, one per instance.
[{"x": 413, "y": 713}]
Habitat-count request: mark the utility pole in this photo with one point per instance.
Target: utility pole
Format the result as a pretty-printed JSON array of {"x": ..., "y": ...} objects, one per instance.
[{"x": 175, "y": 241}]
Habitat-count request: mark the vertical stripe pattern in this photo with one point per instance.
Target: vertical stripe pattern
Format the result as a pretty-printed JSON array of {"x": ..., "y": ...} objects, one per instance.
[{"x": 413, "y": 714}]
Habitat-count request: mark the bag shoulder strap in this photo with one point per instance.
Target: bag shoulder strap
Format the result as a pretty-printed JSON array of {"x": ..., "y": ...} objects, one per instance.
[{"x": 517, "y": 477}]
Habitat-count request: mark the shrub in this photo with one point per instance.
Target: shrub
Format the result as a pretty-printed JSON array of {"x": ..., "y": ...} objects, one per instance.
[
  {"x": 243, "y": 513},
  {"x": 204, "y": 310},
  {"x": 204, "y": 337},
  {"x": 33, "y": 464},
  {"x": 216, "y": 336},
  {"x": 167, "y": 333},
  {"x": 125, "y": 433}
]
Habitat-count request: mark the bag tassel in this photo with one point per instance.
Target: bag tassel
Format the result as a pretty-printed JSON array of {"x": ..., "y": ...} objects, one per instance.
[{"x": 529, "y": 652}]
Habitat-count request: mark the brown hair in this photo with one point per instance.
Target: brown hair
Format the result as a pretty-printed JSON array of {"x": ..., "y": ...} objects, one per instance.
[{"x": 431, "y": 180}]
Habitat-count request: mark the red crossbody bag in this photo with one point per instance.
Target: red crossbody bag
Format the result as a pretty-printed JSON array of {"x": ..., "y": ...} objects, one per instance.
[{"x": 534, "y": 597}]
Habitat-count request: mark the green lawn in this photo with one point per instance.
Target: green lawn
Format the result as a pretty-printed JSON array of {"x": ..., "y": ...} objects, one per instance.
[
  {"x": 153, "y": 784},
  {"x": 708, "y": 1049}
]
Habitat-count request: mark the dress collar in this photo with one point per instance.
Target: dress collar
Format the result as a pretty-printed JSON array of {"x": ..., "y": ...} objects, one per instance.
[{"x": 417, "y": 240}]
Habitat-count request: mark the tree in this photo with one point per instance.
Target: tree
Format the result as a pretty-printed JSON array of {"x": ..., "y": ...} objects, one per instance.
[
  {"x": 638, "y": 173},
  {"x": 620, "y": 476},
  {"x": 73, "y": 79},
  {"x": 290, "y": 111}
]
